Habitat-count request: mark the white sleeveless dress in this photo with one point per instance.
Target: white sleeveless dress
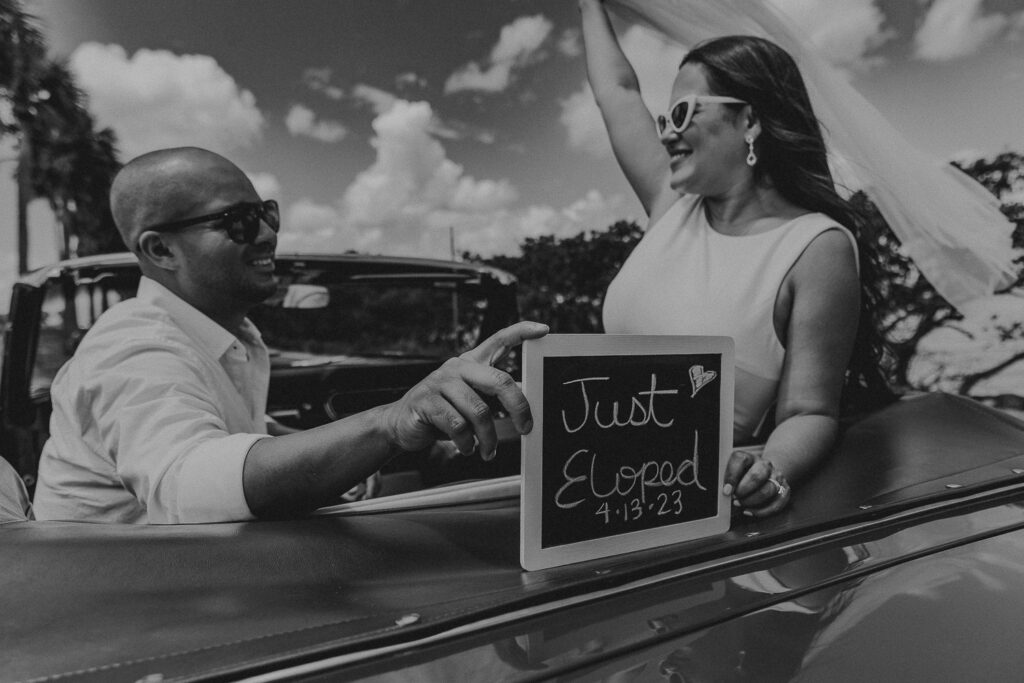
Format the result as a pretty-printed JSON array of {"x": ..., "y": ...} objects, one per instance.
[{"x": 686, "y": 278}]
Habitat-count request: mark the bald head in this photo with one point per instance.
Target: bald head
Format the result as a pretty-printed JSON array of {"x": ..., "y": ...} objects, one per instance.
[{"x": 170, "y": 184}]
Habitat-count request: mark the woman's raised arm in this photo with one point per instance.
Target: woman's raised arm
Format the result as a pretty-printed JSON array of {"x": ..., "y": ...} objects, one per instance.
[{"x": 633, "y": 136}]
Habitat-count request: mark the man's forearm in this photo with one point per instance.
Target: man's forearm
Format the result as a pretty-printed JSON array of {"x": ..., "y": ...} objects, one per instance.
[{"x": 295, "y": 473}]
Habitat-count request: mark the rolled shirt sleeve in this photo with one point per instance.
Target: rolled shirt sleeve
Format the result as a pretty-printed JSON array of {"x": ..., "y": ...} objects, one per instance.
[
  {"x": 173, "y": 447},
  {"x": 209, "y": 486}
]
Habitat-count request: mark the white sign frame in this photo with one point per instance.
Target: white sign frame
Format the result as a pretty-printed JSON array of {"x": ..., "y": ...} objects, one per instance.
[{"x": 532, "y": 555}]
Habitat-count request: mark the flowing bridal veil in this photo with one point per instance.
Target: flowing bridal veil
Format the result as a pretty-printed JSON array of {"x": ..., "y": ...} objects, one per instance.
[{"x": 949, "y": 224}]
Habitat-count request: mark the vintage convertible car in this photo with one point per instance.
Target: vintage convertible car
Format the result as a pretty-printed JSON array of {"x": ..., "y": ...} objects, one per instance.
[
  {"x": 901, "y": 559},
  {"x": 346, "y": 332}
]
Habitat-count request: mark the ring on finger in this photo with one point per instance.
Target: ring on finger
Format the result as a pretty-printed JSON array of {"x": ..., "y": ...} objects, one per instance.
[{"x": 780, "y": 488}]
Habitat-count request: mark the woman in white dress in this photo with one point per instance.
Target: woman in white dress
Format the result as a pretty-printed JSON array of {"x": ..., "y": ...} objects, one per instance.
[{"x": 747, "y": 237}]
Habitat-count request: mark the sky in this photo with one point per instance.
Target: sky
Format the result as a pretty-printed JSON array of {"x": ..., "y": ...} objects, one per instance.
[{"x": 388, "y": 126}]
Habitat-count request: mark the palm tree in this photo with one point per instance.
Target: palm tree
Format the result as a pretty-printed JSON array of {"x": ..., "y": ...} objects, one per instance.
[
  {"x": 73, "y": 165},
  {"x": 23, "y": 52},
  {"x": 60, "y": 154}
]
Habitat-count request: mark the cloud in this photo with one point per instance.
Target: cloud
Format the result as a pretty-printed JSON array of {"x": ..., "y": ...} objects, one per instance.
[
  {"x": 156, "y": 99},
  {"x": 412, "y": 174},
  {"x": 461, "y": 130},
  {"x": 266, "y": 185},
  {"x": 410, "y": 79},
  {"x": 409, "y": 199},
  {"x": 316, "y": 78},
  {"x": 6, "y": 112},
  {"x": 8, "y": 273},
  {"x": 319, "y": 80},
  {"x": 844, "y": 31},
  {"x": 42, "y": 224},
  {"x": 957, "y": 28},
  {"x": 301, "y": 121},
  {"x": 380, "y": 100},
  {"x": 311, "y": 227},
  {"x": 570, "y": 43},
  {"x": 582, "y": 121},
  {"x": 42, "y": 247},
  {"x": 517, "y": 46},
  {"x": 505, "y": 231}
]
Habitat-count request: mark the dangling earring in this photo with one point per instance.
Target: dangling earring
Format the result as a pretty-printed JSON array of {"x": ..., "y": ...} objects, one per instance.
[{"x": 751, "y": 157}]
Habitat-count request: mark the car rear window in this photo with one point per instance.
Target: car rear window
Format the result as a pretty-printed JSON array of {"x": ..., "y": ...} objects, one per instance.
[{"x": 378, "y": 316}]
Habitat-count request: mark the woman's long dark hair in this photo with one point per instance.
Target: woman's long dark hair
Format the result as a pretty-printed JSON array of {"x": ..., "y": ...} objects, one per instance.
[{"x": 792, "y": 157}]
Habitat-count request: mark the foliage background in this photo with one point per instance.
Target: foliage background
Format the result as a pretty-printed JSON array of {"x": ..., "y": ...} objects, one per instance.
[{"x": 562, "y": 282}]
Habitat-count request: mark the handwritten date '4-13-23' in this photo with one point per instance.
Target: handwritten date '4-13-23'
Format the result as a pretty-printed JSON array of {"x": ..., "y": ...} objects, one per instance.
[{"x": 663, "y": 504}]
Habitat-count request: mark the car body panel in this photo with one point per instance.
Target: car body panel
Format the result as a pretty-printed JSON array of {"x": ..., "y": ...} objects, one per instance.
[
  {"x": 920, "y": 604},
  {"x": 919, "y": 506}
]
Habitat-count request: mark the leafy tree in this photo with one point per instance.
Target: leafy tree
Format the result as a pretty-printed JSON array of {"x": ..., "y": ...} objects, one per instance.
[
  {"x": 1003, "y": 176},
  {"x": 73, "y": 166},
  {"x": 60, "y": 154},
  {"x": 22, "y": 52},
  {"x": 562, "y": 281},
  {"x": 1007, "y": 333},
  {"x": 912, "y": 308}
]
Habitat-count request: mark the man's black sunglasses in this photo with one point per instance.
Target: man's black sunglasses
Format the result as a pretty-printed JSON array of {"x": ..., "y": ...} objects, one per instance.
[{"x": 241, "y": 222}]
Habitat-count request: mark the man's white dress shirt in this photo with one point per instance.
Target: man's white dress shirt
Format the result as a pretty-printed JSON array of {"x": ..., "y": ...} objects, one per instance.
[{"x": 153, "y": 417}]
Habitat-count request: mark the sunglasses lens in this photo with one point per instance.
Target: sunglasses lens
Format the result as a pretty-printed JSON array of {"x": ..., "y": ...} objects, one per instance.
[
  {"x": 272, "y": 215},
  {"x": 244, "y": 227},
  {"x": 679, "y": 114},
  {"x": 662, "y": 123},
  {"x": 237, "y": 231}
]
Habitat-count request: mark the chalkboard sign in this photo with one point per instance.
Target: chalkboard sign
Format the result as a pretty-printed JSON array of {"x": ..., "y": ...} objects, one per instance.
[{"x": 630, "y": 442}]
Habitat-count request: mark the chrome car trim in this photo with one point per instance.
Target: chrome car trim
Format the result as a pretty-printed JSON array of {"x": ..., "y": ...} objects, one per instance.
[{"x": 504, "y": 488}]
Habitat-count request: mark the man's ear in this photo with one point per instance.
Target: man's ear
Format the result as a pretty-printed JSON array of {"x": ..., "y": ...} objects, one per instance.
[{"x": 155, "y": 249}]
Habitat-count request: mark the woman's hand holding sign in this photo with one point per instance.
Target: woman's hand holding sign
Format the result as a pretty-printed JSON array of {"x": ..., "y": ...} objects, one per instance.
[{"x": 756, "y": 484}]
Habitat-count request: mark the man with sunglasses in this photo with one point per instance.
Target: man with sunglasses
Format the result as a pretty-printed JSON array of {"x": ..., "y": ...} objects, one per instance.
[{"x": 159, "y": 416}]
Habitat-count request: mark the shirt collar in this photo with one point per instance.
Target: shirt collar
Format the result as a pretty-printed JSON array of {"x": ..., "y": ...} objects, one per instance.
[{"x": 193, "y": 322}]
